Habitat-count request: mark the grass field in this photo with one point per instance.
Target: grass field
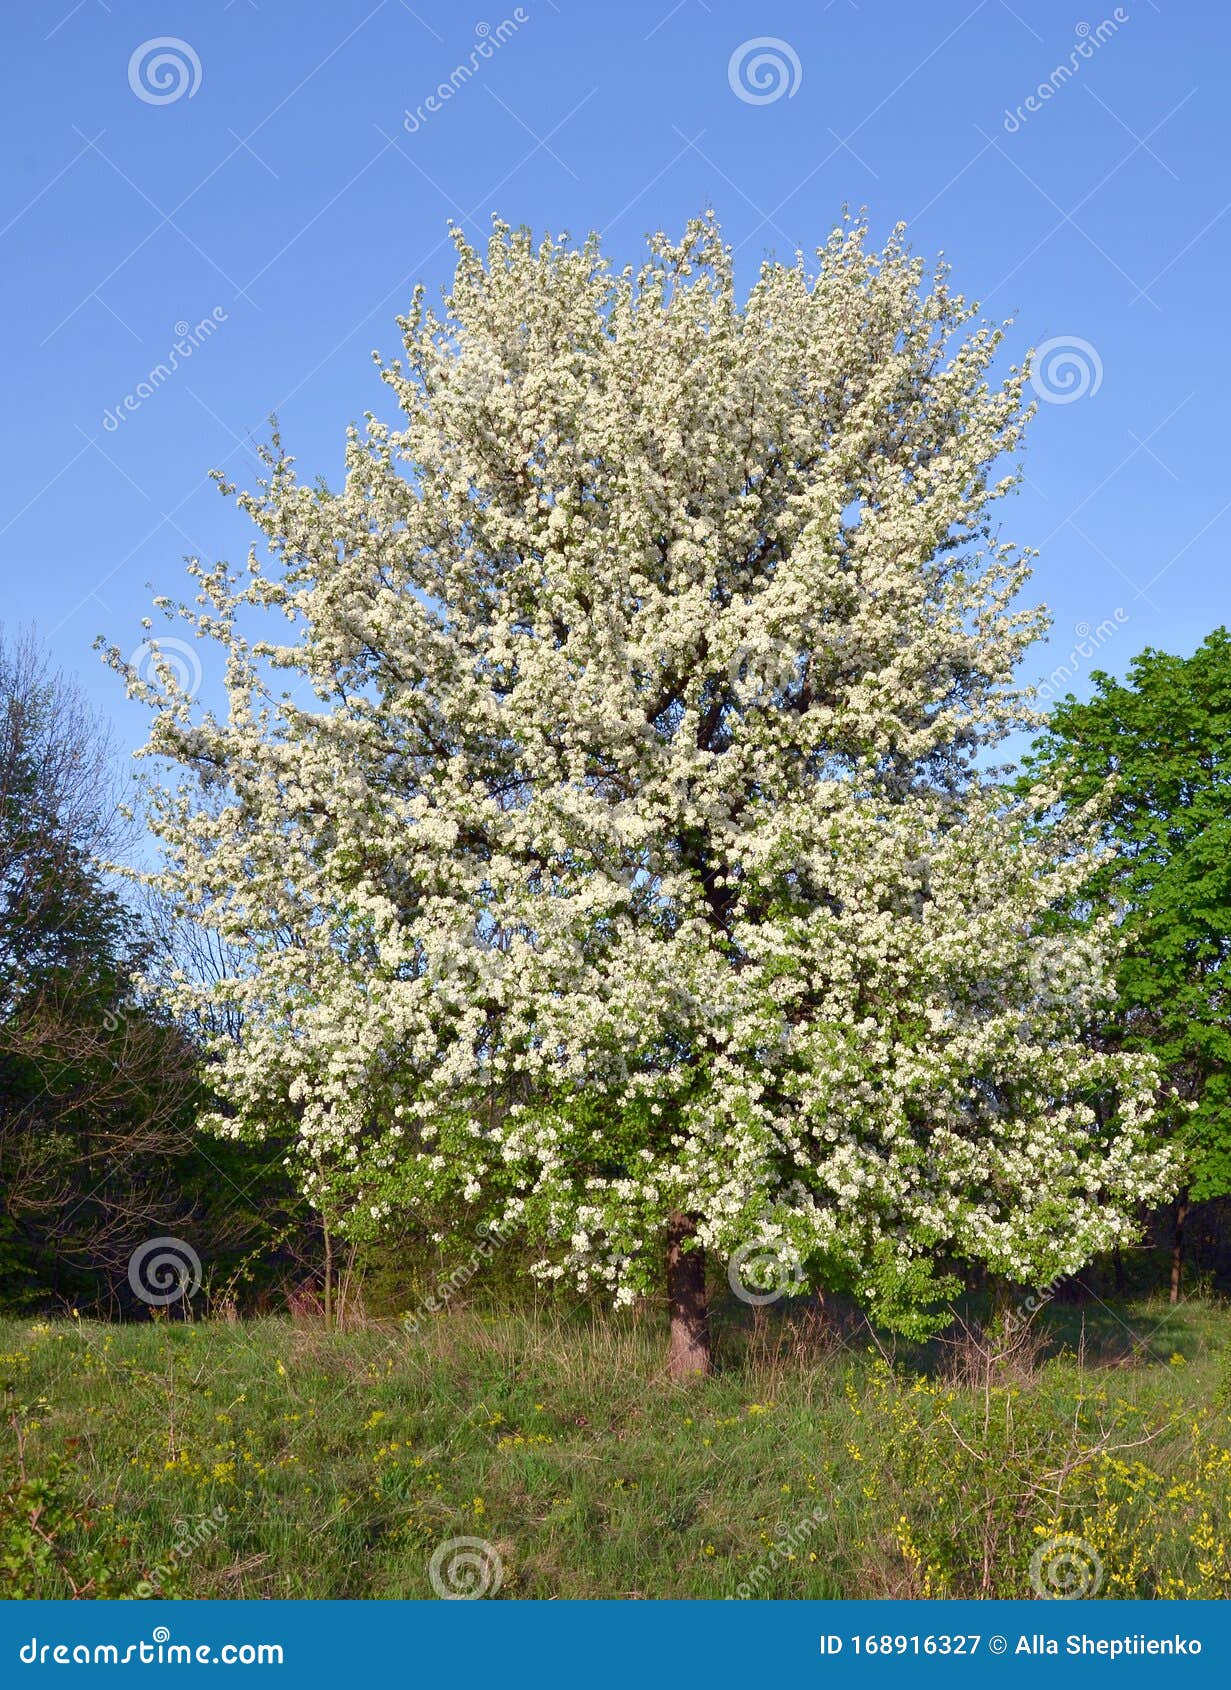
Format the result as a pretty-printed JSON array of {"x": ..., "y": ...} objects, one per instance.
[{"x": 270, "y": 1459}]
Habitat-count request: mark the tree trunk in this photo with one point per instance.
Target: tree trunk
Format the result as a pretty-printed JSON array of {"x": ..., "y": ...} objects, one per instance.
[
  {"x": 690, "y": 1315},
  {"x": 328, "y": 1273},
  {"x": 1177, "y": 1247}
]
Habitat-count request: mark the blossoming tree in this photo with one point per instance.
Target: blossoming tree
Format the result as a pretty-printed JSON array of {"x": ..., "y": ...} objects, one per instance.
[{"x": 606, "y": 846}]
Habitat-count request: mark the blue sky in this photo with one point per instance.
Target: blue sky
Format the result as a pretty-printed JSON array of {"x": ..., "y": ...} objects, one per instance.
[{"x": 266, "y": 176}]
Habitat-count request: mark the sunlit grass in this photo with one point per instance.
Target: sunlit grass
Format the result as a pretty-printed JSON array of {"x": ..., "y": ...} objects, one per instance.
[{"x": 269, "y": 1459}]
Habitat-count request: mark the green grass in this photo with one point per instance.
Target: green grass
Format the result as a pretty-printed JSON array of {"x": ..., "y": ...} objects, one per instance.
[{"x": 289, "y": 1462}]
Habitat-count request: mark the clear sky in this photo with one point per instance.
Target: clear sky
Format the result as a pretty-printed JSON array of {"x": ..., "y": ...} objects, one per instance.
[{"x": 278, "y": 172}]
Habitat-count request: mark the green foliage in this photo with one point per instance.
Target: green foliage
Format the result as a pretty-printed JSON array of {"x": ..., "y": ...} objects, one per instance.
[
  {"x": 99, "y": 1088},
  {"x": 52, "y": 1541},
  {"x": 1126, "y": 1499},
  {"x": 1155, "y": 753}
]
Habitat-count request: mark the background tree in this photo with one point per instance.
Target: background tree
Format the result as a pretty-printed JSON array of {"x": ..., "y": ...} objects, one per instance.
[
  {"x": 615, "y": 860},
  {"x": 1156, "y": 749},
  {"x": 99, "y": 1087}
]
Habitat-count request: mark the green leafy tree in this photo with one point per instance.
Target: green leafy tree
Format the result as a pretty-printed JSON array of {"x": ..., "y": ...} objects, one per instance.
[
  {"x": 99, "y": 1086},
  {"x": 1156, "y": 749}
]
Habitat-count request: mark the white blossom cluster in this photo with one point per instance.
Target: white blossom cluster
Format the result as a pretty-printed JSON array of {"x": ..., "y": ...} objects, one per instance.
[{"x": 606, "y": 836}]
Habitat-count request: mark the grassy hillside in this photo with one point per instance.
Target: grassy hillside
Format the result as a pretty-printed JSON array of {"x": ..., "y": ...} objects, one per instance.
[{"x": 274, "y": 1460}]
